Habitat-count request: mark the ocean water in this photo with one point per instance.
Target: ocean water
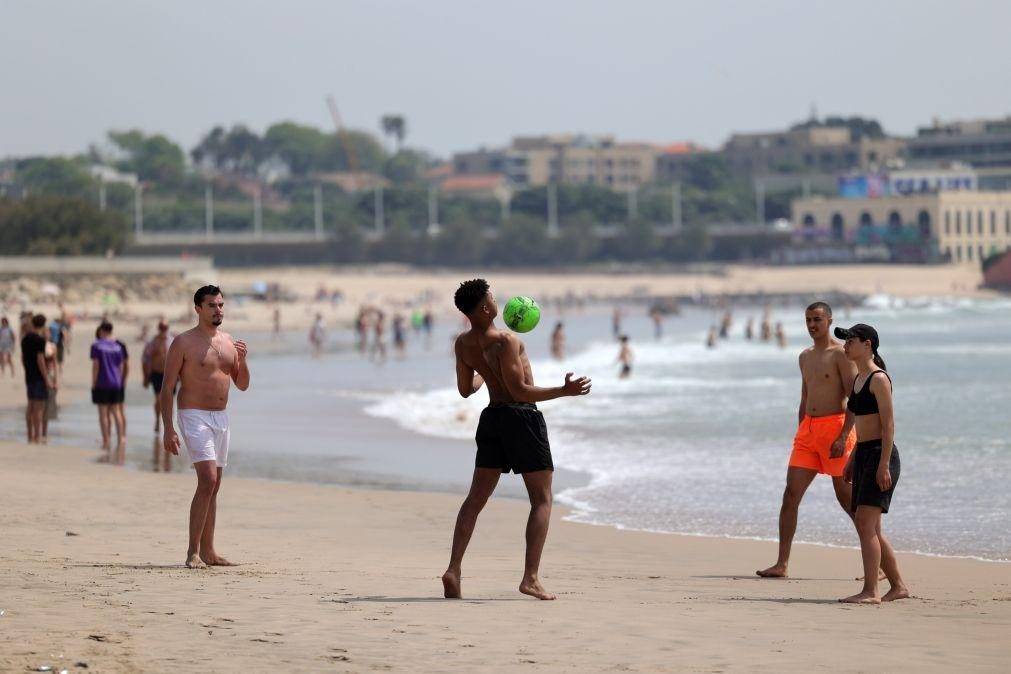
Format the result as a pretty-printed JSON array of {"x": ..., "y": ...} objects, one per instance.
[
  {"x": 695, "y": 442},
  {"x": 698, "y": 439}
]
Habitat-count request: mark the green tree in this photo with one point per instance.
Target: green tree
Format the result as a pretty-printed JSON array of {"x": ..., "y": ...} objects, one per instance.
[
  {"x": 50, "y": 225},
  {"x": 396, "y": 126},
  {"x": 56, "y": 176},
  {"x": 152, "y": 158}
]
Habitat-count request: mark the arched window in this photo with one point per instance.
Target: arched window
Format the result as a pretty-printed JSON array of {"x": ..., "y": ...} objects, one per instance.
[
  {"x": 808, "y": 221},
  {"x": 923, "y": 224},
  {"x": 895, "y": 223},
  {"x": 866, "y": 220},
  {"x": 947, "y": 253},
  {"x": 993, "y": 222},
  {"x": 968, "y": 252},
  {"x": 981, "y": 254},
  {"x": 979, "y": 223},
  {"x": 958, "y": 225},
  {"x": 958, "y": 252},
  {"x": 947, "y": 222},
  {"x": 838, "y": 227}
]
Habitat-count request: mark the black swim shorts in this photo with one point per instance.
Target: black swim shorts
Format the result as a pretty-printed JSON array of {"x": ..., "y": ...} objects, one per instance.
[
  {"x": 156, "y": 381},
  {"x": 105, "y": 396},
  {"x": 513, "y": 436},
  {"x": 865, "y": 476},
  {"x": 37, "y": 390}
]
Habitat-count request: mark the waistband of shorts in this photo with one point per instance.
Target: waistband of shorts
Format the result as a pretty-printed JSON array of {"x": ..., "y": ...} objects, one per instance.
[
  {"x": 515, "y": 406},
  {"x": 871, "y": 444},
  {"x": 834, "y": 418},
  {"x": 199, "y": 413}
]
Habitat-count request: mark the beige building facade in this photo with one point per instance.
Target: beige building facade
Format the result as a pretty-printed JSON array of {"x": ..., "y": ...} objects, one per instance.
[{"x": 965, "y": 226}]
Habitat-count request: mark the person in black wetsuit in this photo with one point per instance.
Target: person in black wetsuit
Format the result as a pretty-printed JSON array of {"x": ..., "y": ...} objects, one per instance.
[{"x": 873, "y": 468}]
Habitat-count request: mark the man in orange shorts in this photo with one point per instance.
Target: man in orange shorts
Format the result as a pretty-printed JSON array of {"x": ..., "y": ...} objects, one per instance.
[{"x": 824, "y": 438}]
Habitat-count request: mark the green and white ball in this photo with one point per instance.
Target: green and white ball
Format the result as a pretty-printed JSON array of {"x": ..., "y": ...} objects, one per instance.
[{"x": 521, "y": 314}]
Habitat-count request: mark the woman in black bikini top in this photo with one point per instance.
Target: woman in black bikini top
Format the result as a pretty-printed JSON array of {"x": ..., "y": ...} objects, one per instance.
[{"x": 873, "y": 467}]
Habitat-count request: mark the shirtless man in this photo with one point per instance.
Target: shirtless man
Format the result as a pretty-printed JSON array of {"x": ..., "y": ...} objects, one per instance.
[
  {"x": 824, "y": 437},
  {"x": 206, "y": 361},
  {"x": 153, "y": 363},
  {"x": 511, "y": 434}
]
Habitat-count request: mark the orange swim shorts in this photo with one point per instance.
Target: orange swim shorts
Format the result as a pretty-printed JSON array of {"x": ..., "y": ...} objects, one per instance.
[{"x": 813, "y": 444}]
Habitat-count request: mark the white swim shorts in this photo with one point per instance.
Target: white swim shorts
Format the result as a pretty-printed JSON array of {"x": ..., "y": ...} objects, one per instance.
[{"x": 205, "y": 435}]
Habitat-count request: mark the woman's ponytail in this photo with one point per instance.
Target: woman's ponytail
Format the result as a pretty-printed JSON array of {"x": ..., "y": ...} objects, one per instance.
[{"x": 879, "y": 361}]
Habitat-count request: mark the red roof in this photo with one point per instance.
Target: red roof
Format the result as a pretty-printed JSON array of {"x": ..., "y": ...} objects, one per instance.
[
  {"x": 679, "y": 148},
  {"x": 476, "y": 183}
]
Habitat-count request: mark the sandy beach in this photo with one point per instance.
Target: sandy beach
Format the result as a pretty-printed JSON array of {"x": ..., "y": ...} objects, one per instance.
[
  {"x": 339, "y": 579},
  {"x": 395, "y": 287}
]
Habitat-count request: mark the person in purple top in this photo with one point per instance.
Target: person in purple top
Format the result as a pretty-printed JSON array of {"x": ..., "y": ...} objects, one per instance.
[{"x": 107, "y": 369}]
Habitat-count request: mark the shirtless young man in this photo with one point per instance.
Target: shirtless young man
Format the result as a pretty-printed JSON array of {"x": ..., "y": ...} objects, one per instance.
[
  {"x": 206, "y": 361},
  {"x": 153, "y": 362},
  {"x": 824, "y": 437},
  {"x": 511, "y": 434}
]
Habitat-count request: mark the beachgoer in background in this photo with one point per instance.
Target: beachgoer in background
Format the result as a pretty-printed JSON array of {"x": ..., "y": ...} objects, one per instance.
[
  {"x": 107, "y": 363},
  {"x": 625, "y": 358},
  {"x": 121, "y": 401},
  {"x": 511, "y": 434},
  {"x": 873, "y": 469},
  {"x": 317, "y": 335},
  {"x": 51, "y": 411},
  {"x": 7, "y": 342},
  {"x": 399, "y": 334},
  {"x": 780, "y": 335},
  {"x": 657, "y": 316},
  {"x": 725, "y": 324},
  {"x": 616, "y": 323},
  {"x": 824, "y": 439},
  {"x": 38, "y": 383},
  {"x": 206, "y": 361},
  {"x": 276, "y": 334},
  {"x": 749, "y": 329},
  {"x": 558, "y": 341},
  {"x": 153, "y": 365},
  {"x": 379, "y": 341},
  {"x": 711, "y": 338}
]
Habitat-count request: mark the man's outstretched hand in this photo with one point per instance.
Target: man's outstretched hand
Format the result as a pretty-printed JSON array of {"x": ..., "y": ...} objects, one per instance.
[{"x": 577, "y": 387}]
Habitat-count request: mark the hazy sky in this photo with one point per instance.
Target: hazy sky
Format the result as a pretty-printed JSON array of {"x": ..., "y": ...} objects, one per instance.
[{"x": 467, "y": 73}]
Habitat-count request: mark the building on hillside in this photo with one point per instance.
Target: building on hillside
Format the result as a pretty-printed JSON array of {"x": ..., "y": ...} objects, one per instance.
[
  {"x": 672, "y": 159},
  {"x": 356, "y": 181},
  {"x": 536, "y": 161},
  {"x": 489, "y": 186},
  {"x": 107, "y": 174},
  {"x": 957, "y": 225},
  {"x": 984, "y": 144},
  {"x": 808, "y": 150}
]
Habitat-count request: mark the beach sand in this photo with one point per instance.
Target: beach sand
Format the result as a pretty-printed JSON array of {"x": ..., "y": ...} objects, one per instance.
[
  {"x": 395, "y": 287},
  {"x": 338, "y": 579}
]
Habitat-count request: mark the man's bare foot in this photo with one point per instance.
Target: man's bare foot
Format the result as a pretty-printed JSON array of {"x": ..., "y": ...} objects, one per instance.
[
  {"x": 194, "y": 562},
  {"x": 216, "y": 560},
  {"x": 534, "y": 589},
  {"x": 900, "y": 592},
  {"x": 774, "y": 571},
  {"x": 862, "y": 598},
  {"x": 451, "y": 585}
]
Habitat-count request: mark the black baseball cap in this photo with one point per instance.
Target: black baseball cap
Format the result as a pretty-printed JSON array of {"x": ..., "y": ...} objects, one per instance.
[{"x": 861, "y": 331}]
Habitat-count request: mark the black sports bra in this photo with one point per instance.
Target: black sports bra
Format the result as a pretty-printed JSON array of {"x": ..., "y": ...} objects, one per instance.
[{"x": 864, "y": 403}]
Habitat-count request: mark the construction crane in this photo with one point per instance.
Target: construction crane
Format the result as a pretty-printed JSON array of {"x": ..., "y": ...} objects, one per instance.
[{"x": 342, "y": 136}]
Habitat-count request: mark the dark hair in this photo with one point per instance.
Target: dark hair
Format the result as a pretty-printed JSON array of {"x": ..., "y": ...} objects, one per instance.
[
  {"x": 105, "y": 327},
  {"x": 38, "y": 321},
  {"x": 814, "y": 306},
  {"x": 206, "y": 291},
  {"x": 879, "y": 361},
  {"x": 469, "y": 295}
]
